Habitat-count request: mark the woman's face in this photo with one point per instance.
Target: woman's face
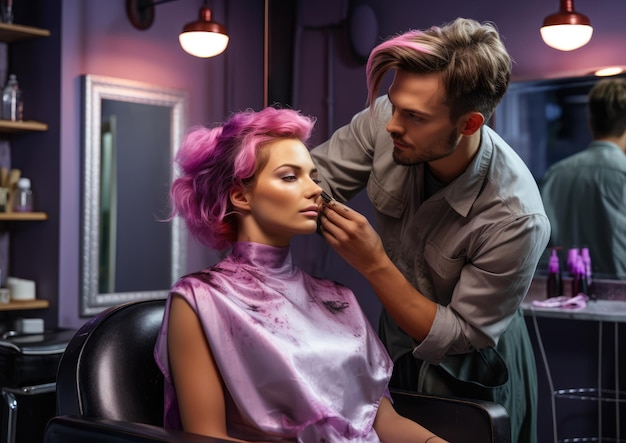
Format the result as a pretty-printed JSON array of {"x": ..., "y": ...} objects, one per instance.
[{"x": 283, "y": 199}]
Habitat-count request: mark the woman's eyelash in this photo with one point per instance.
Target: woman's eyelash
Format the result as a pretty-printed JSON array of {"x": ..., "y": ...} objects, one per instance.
[{"x": 292, "y": 177}]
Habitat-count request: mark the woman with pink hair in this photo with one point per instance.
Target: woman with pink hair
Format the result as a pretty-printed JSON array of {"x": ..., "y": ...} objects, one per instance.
[{"x": 252, "y": 348}]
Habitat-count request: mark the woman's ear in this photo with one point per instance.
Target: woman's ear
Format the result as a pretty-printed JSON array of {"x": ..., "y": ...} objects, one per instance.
[
  {"x": 473, "y": 122},
  {"x": 239, "y": 198}
]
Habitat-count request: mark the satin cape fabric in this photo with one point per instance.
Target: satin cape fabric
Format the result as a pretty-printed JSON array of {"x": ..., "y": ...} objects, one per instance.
[{"x": 299, "y": 360}]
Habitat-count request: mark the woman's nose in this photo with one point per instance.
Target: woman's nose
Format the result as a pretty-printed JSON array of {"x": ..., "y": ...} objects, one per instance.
[
  {"x": 315, "y": 189},
  {"x": 318, "y": 190}
]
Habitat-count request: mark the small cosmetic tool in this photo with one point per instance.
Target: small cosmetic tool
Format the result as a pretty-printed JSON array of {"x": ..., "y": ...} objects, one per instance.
[{"x": 327, "y": 198}]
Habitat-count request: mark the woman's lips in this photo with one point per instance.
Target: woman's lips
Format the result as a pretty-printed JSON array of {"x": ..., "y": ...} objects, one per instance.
[{"x": 311, "y": 211}]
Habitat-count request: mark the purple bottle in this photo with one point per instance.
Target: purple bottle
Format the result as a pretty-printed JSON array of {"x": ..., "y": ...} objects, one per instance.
[
  {"x": 554, "y": 282},
  {"x": 572, "y": 255},
  {"x": 579, "y": 279},
  {"x": 586, "y": 256}
]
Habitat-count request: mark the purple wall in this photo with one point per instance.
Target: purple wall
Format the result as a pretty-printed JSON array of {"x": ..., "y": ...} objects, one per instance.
[
  {"x": 330, "y": 78},
  {"x": 517, "y": 21},
  {"x": 98, "y": 39}
]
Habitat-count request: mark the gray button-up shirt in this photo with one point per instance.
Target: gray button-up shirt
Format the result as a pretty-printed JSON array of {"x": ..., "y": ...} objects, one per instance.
[{"x": 472, "y": 247}]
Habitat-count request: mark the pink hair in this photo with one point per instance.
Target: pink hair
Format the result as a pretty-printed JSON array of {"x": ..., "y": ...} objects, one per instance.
[
  {"x": 213, "y": 161},
  {"x": 380, "y": 58}
]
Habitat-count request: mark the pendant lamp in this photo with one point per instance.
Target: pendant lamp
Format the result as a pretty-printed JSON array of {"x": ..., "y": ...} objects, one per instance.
[
  {"x": 567, "y": 29},
  {"x": 201, "y": 38},
  {"x": 204, "y": 37}
]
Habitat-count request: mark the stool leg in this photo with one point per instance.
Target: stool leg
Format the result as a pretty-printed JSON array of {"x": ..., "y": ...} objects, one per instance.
[
  {"x": 544, "y": 358},
  {"x": 617, "y": 384},
  {"x": 600, "y": 391},
  {"x": 11, "y": 403}
]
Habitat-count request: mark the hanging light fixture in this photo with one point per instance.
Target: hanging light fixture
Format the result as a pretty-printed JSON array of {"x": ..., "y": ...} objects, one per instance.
[
  {"x": 201, "y": 38},
  {"x": 204, "y": 37},
  {"x": 567, "y": 29}
]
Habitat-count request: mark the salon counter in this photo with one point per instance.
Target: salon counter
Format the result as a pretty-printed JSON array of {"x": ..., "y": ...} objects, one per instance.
[
  {"x": 609, "y": 307},
  {"x": 596, "y": 310}
]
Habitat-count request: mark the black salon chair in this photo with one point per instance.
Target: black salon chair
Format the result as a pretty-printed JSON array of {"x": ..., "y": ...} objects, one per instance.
[{"x": 109, "y": 389}]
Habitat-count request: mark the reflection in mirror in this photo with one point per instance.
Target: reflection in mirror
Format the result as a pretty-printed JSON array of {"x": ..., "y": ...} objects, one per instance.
[
  {"x": 131, "y": 132},
  {"x": 546, "y": 121}
]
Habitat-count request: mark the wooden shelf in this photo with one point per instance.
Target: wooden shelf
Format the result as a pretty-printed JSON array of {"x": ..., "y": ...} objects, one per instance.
[
  {"x": 12, "y": 33},
  {"x": 24, "y": 305},
  {"x": 23, "y": 216},
  {"x": 22, "y": 126}
]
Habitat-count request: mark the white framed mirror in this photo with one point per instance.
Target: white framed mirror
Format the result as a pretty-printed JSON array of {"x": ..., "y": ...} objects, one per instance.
[{"x": 131, "y": 133}]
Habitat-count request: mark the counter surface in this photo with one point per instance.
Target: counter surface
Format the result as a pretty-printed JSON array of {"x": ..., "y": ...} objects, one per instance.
[{"x": 610, "y": 306}]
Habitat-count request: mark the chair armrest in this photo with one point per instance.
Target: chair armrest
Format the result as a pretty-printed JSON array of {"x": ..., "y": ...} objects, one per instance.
[
  {"x": 455, "y": 419},
  {"x": 452, "y": 418},
  {"x": 70, "y": 429}
]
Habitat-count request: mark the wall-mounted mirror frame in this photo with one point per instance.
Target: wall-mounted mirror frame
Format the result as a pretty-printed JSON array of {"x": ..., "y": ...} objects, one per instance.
[{"x": 97, "y": 90}]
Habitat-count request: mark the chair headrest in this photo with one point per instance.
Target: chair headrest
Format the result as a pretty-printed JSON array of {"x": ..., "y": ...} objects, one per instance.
[{"x": 108, "y": 368}]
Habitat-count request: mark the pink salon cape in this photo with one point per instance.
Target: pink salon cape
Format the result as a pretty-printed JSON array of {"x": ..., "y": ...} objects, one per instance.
[{"x": 298, "y": 358}]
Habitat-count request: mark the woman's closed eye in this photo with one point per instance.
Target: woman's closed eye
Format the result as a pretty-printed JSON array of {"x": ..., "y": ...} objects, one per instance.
[
  {"x": 289, "y": 178},
  {"x": 293, "y": 177}
]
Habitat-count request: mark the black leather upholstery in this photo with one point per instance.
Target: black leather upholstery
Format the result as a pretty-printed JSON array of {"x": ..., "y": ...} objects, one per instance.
[
  {"x": 109, "y": 389},
  {"x": 68, "y": 429},
  {"x": 456, "y": 420},
  {"x": 108, "y": 369}
]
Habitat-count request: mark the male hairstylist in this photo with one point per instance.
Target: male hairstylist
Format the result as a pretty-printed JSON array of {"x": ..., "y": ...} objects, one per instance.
[{"x": 461, "y": 222}]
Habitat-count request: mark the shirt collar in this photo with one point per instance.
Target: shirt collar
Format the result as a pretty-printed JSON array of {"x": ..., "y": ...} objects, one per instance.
[
  {"x": 603, "y": 144},
  {"x": 463, "y": 191}
]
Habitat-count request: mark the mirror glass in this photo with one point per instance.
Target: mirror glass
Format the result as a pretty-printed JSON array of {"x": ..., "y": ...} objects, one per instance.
[
  {"x": 131, "y": 132},
  {"x": 546, "y": 121}
]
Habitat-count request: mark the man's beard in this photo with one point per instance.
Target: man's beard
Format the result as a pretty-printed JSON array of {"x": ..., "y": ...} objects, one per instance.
[{"x": 450, "y": 145}]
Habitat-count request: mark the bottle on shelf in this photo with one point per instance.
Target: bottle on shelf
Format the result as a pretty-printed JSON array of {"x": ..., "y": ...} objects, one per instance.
[
  {"x": 554, "y": 283},
  {"x": 572, "y": 256},
  {"x": 7, "y": 11},
  {"x": 588, "y": 272},
  {"x": 12, "y": 105},
  {"x": 579, "y": 279},
  {"x": 23, "y": 200}
]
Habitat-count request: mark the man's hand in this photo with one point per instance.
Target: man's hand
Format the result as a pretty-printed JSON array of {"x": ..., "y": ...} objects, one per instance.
[
  {"x": 352, "y": 236},
  {"x": 355, "y": 240}
]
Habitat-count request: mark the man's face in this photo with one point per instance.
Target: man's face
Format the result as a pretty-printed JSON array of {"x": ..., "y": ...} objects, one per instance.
[{"x": 420, "y": 124}]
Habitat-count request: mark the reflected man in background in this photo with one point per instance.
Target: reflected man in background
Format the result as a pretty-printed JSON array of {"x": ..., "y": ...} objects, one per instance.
[{"x": 585, "y": 194}]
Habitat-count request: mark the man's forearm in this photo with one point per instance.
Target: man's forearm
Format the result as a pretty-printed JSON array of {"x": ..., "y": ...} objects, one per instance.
[{"x": 410, "y": 309}]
